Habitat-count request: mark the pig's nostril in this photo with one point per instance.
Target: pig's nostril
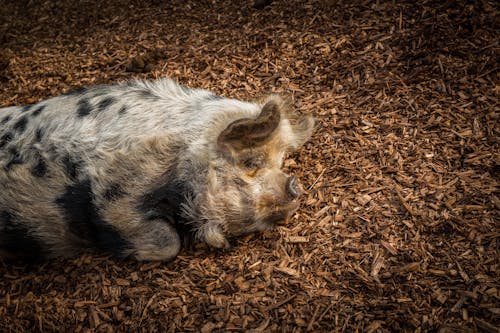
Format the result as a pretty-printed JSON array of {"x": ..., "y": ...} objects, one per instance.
[{"x": 293, "y": 187}]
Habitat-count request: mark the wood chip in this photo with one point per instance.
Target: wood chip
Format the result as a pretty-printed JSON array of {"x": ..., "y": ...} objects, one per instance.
[
  {"x": 289, "y": 271},
  {"x": 297, "y": 239}
]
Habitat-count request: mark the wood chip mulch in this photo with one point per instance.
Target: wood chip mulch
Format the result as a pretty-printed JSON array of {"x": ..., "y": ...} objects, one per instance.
[{"x": 399, "y": 229}]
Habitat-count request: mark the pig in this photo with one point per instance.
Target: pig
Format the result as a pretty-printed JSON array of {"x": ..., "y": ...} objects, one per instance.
[{"x": 133, "y": 169}]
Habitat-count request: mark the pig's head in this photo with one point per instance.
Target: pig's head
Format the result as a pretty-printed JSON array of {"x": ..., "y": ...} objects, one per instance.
[{"x": 246, "y": 189}]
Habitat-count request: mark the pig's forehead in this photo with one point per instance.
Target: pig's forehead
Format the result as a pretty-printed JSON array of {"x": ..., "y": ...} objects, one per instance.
[{"x": 272, "y": 152}]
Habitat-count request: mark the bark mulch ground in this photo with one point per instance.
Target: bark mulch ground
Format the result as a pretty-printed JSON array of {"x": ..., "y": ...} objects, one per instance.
[{"x": 399, "y": 229}]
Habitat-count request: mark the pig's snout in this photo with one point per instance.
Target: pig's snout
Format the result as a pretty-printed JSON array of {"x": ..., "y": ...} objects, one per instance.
[{"x": 292, "y": 187}]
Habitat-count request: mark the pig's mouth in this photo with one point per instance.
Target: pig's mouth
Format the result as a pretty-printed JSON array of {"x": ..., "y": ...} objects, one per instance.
[
  {"x": 265, "y": 218},
  {"x": 276, "y": 218}
]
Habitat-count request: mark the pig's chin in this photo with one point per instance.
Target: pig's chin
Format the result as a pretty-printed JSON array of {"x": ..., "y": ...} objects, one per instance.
[{"x": 279, "y": 216}]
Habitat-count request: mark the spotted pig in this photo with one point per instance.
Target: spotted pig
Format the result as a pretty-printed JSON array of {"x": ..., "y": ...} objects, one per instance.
[{"x": 133, "y": 169}]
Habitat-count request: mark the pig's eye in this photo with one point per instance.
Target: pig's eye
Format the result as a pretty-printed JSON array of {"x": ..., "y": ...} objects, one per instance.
[{"x": 252, "y": 163}]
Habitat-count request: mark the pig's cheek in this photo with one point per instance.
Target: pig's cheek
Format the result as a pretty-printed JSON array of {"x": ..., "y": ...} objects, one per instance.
[{"x": 257, "y": 190}]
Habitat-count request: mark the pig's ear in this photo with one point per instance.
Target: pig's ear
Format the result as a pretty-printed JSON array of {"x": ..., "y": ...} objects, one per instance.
[
  {"x": 246, "y": 132},
  {"x": 302, "y": 129}
]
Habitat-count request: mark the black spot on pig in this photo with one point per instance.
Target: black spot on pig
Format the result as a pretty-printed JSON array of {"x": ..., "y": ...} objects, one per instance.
[
  {"x": 76, "y": 91},
  {"x": 82, "y": 216},
  {"x": 15, "y": 238},
  {"x": 72, "y": 167},
  {"x": 40, "y": 168},
  {"x": 122, "y": 110},
  {"x": 38, "y": 135},
  {"x": 14, "y": 160},
  {"x": 38, "y": 111},
  {"x": 83, "y": 108},
  {"x": 20, "y": 125},
  {"x": 5, "y": 139},
  {"x": 105, "y": 103},
  {"x": 165, "y": 202},
  {"x": 5, "y": 120}
]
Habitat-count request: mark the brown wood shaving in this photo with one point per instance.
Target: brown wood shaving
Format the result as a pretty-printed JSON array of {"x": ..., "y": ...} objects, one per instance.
[{"x": 399, "y": 228}]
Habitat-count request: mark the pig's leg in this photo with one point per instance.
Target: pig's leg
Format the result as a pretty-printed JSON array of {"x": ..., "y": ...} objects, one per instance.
[{"x": 157, "y": 240}]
